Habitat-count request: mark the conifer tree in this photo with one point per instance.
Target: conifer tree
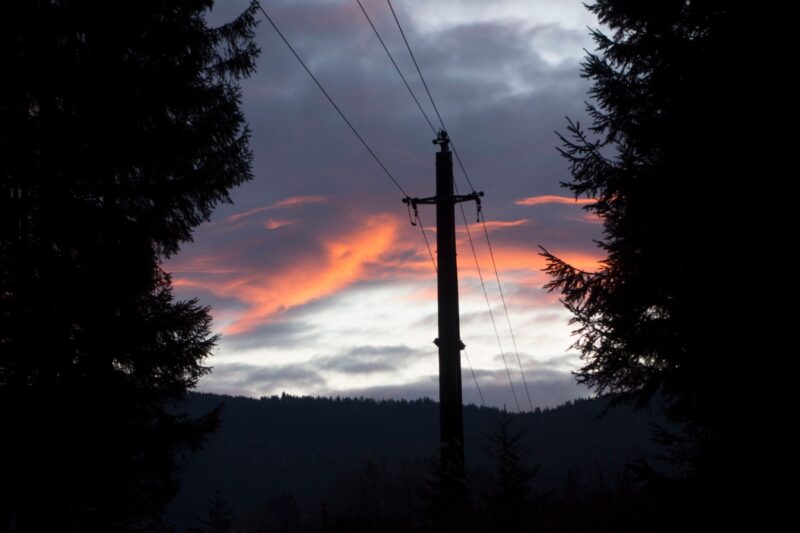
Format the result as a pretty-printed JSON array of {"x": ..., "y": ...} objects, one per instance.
[
  {"x": 661, "y": 317},
  {"x": 220, "y": 515},
  {"x": 509, "y": 500},
  {"x": 120, "y": 131}
]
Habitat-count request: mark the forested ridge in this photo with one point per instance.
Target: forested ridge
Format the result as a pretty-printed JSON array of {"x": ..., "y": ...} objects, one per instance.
[{"x": 315, "y": 451}]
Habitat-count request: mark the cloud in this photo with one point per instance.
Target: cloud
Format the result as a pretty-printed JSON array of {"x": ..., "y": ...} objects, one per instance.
[
  {"x": 553, "y": 199},
  {"x": 339, "y": 261},
  {"x": 368, "y": 359},
  {"x": 588, "y": 218},
  {"x": 283, "y": 335},
  {"x": 516, "y": 256},
  {"x": 492, "y": 225},
  {"x": 256, "y": 380},
  {"x": 272, "y": 223},
  {"x": 200, "y": 264},
  {"x": 286, "y": 202},
  {"x": 299, "y": 200},
  {"x": 344, "y": 251}
]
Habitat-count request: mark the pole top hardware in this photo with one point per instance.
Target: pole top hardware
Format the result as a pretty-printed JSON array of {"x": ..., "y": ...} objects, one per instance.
[
  {"x": 412, "y": 203},
  {"x": 443, "y": 140}
]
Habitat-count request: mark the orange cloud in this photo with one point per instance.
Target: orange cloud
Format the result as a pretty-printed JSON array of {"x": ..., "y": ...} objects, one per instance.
[
  {"x": 495, "y": 224},
  {"x": 299, "y": 200},
  {"x": 267, "y": 294},
  {"x": 272, "y": 223},
  {"x": 589, "y": 218},
  {"x": 516, "y": 257},
  {"x": 521, "y": 267},
  {"x": 378, "y": 247},
  {"x": 553, "y": 199},
  {"x": 239, "y": 216},
  {"x": 292, "y": 201}
]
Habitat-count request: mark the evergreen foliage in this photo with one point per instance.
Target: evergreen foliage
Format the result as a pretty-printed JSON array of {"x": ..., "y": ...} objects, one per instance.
[
  {"x": 220, "y": 515},
  {"x": 120, "y": 131},
  {"x": 660, "y": 315},
  {"x": 509, "y": 501},
  {"x": 372, "y": 465}
]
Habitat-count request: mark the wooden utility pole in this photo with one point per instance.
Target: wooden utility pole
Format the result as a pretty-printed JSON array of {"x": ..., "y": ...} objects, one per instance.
[{"x": 451, "y": 423}]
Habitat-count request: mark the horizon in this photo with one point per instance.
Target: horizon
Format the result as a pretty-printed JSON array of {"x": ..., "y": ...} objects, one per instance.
[{"x": 285, "y": 394}]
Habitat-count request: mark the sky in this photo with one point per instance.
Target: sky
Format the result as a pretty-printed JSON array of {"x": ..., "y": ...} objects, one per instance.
[{"x": 317, "y": 282}]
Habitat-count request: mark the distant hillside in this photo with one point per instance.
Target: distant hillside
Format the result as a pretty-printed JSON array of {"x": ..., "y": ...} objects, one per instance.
[{"x": 275, "y": 452}]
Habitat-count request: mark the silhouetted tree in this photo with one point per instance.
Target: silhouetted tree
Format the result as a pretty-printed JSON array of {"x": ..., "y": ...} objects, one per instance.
[
  {"x": 666, "y": 112},
  {"x": 220, "y": 515},
  {"x": 321, "y": 450},
  {"x": 120, "y": 131},
  {"x": 509, "y": 499}
]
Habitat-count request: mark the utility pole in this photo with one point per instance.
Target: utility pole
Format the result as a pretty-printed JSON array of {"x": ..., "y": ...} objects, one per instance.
[{"x": 451, "y": 422}]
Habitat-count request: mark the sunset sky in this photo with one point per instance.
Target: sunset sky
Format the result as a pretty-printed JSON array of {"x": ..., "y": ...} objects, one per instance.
[{"x": 318, "y": 283}]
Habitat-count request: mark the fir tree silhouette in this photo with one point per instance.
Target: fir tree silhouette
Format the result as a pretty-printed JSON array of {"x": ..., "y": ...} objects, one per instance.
[
  {"x": 508, "y": 501},
  {"x": 664, "y": 144},
  {"x": 120, "y": 131},
  {"x": 220, "y": 515}
]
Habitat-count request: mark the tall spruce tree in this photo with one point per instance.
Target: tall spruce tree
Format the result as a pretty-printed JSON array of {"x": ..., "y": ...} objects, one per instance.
[
  {"x": 220, "y": 515},
  {"x": 509, "y": 500},
  {"x": 120, "y": 131},
  {"x": 663, "y": 316}
]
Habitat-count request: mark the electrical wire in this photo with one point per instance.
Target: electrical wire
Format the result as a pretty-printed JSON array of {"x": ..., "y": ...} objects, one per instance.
[
  {"x": 397, "y": 68},
  {"x": 489, "y": 306},
  {"x": 333, "y": 103},
  {"x": 505, "y": 307},
  {"x": 416, "y": 65},
  {"x": 428, "y": 91},
  {"x": 483, "y": 403},
  {"x": 427, "y": 244},
  {"x": 466, "y": 225}
]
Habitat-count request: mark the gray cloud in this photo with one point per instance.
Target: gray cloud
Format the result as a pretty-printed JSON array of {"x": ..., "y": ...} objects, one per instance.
[
  {"x": 256, "y": 380},
  {"x": 549, "y": 385},
  {"x": 289, "y": 332},
  {"x": 532, "y": 364},
  {"x": 368, "y": 359},
  {"x": 470, "y": 69}
]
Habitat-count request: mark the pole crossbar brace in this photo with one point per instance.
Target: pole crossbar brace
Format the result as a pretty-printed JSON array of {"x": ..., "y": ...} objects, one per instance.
[{"x": 454, "y": 199}]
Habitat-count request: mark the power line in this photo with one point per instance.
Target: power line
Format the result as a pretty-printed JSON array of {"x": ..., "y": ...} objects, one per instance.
[
  {"x": 466, "y": 225},
  {"x": 336, "y": 107},
  {"x": 483, "y": 403},
  {"x": 460, "y": 164},
  {"x": 416, "y": 65},
  {"x": 397, "y": 68},
  {"x": 427, "y": 244},
  {"x": 505, "y": 307},
  {"x": 489, "y": 306},
  {"x": 428, "y": 91}
]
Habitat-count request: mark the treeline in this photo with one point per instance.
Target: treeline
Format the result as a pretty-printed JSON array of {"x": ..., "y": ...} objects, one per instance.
[{"x": 311, "y": 464}]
